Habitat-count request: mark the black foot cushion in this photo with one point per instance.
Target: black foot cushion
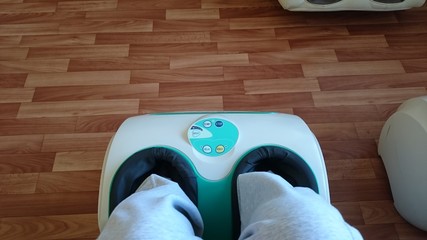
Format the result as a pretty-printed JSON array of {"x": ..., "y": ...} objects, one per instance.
[
  {"x": 161, "y": 161},
  {"x": 280, "y": 161}
]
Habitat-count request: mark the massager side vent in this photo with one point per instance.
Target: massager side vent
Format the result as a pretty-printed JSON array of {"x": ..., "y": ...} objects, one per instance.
[{"x": 323, "y": 2}]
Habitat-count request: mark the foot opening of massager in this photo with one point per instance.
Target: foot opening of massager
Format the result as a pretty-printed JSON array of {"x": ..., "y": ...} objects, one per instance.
[
  {"x": 161, "y": 161},
  {"x": 280, "y": 161}
]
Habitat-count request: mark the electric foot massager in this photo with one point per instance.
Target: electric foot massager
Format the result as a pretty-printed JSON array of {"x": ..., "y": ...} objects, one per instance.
[{"x": 204, "y": 153}]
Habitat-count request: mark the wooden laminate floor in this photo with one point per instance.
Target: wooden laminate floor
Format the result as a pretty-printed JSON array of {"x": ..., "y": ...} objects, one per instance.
[{"x": 72, "y": 71}]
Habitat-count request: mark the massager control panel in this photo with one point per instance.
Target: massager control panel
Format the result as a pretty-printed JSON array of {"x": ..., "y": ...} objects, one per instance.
[{"x": 213, "y": 136}]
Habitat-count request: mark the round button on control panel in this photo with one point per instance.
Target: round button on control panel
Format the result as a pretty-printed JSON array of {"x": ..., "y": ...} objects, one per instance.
[{"x": 213, "y": 136}]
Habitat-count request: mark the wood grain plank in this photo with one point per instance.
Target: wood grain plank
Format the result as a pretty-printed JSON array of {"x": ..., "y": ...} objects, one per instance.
[
  {"x": 415, "y": 65},
  {"x": 380, "y": 212},
  {"x": 16, "y": 205},
  {"x": 208, "y": 60},
  {"x": 279, "y": 102},
  {"x": 128, "y": 91},
  {"x": 238, "y": 35},
  {"x": 106, "y": 26},
  {"x": 76, "y": 226},
  {"x": 280, "y": 85},
  {"x": 349, "y": 149},
  {"x": 192, "y": 14},
  {"x": 205, "y": 103},
  {"x": 9, "y": 110},
  {"x": 12, "y": 80},
  {"x": 409, "y": 232},
  {"x": 37, "y": 126},
  {"x": 76, "y": 142},
  {"x": 412, "y": 16},
  {"x": 129, "y": 63},
  {"x": 262, "y": 72},
  {"x": 129, "y": 15},
  {"x": 350, "y": 169},
  {"x": 10, "y": 40},
  {"x": 187, "y": 89},
  {"x": 89, "y": 78},
  {"x": 41, "y": 17},
  {"x": 352, "y": 68},
  {"x": 369, "y": 130},
  {"x": 209, "y": 74},
  {"x": 27, "y": 7},
  {"x": 18, "y": 183},
  {"x": 13, "y": 95},
  {"x": 87, "y": 5},
  {"x": 379, "y": 81},
  {"x": 368, "y": 96},
  {"x": 154, "y": 4},
  {"x": 67, "y": 181},
  {"x": 104, "y": 123},
  {"x": 293, "y": 57},
  {"x": 190, "y": 25},
  {"x": 253, "y": 46},
  {"x": 247, "y": 12},
  {"x": 386, "y": 110},
  {"x": 78, "y": 161},
  {"x": 370, "y": 54},
  {"x": 267, "y": 22},
  {"x": 309, "y": 32},
  {"x": 171, "y": 49},
  {"x": 92, "y": 51},
  {"x": 158, "y": 37},
  {"x": 374, "y": 41},
  {"x": 379, "y": 231},
  {"x": 12, "y": 1},
  {"x": 410, "y": 39},
  {"x": 352, "y": 190},
  {"x": 28, "y": 29},
  {"x": 78, "y": 108},
  {"x": 56, "y": 40},
  {"x": 351, "y": 212},
  {"x": 21, "y": 144},
  {"x": 41, "y": 65},
  {"x": 337, "y": 114},
  {"x": 26, "y": 163},
  {"x": 13, "y": 53},
  {"x": 390, "y": 28},
  {"x": 379, "y": 169},
  {"x": 237, "y": 3},
  {"x": 334, "y": 131}
]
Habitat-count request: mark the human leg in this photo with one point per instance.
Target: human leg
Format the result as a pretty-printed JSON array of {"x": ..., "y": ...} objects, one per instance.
[
  {"x": 271, "y": 208},
  {"x": 159, "y": 209}
]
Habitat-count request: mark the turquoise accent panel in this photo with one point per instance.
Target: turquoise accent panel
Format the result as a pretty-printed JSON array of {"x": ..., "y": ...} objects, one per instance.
[
  {"x": 215, "y": 207},
  {"x": 213, "y": 137}
]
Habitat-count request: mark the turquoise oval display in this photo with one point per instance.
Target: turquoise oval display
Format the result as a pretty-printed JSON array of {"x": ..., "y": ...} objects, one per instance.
[{"x": 213, "y": 136}]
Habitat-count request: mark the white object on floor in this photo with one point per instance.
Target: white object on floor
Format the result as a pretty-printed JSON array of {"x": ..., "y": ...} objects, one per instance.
[
  {"x": 342, "y": 5},
  {"x": 403, "y": 148}
]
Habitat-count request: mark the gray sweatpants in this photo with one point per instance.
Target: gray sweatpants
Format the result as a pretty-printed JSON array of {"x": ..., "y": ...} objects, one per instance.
[{"x": 270, "y": 208}]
